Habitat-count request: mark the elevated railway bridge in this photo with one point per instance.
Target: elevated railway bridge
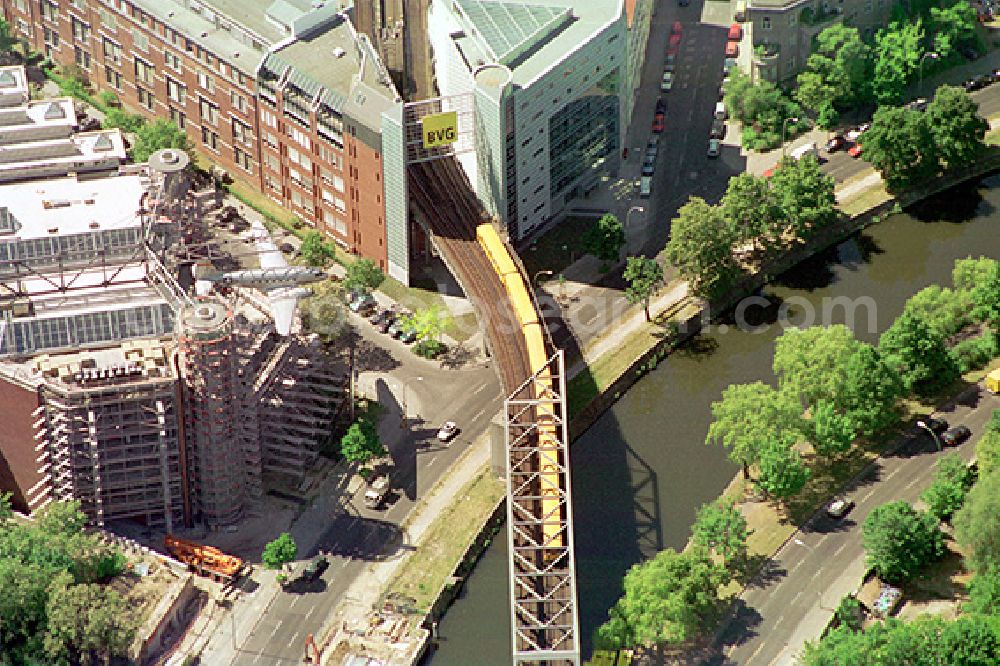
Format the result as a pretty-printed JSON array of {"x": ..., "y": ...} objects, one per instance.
[{"x": 545, "y": 625}]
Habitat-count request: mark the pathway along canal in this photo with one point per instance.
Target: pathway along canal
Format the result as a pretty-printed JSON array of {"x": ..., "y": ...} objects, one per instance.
[{"x": 642, "y": 470}]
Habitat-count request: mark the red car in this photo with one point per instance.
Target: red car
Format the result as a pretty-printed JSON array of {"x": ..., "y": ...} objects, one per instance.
[
  {"x": 658, "y": 123},
  {"x": 855, "y": 150},
  {"x": 675, "y": 40},
  {"x": 732, "y": 49},
  {"x": 735, "y": 32},
  {"x": 677, "y": 28}
]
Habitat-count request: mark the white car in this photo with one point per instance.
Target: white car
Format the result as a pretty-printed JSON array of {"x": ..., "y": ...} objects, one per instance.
[
  {"x": 713, "y": 147},
  {"x": 856, "y": 133},
  {"x": 839, "y": 508},
  {"x": 668, "y": 81},
  {"x": 447, "y": 431}
]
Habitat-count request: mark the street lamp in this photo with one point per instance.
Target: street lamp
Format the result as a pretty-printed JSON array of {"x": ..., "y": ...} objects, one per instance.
[
  {"x": 540, "y": 273},
  {"x": 937, "y": 441},
  {"x": 784, "y": 126},
  {"x": 933, "y": 55},
  {"x": 628, "y": 216}
]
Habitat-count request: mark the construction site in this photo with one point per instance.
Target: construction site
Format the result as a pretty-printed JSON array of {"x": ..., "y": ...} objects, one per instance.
[{"x": 152, "y": 365}]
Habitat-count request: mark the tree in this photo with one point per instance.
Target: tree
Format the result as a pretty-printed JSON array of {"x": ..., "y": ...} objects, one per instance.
[
  {"x": 870, "y": 391},
  {"x": 955, "y": 123},
  {"x": 805, "y": 195},
  {"x": 977, "y": 524},
  {"x": 644, "y": 277},
  {"x": 984, "y": 592},
  {"x": 899, "y": 541},
  {"x": 811, "y": 364},
  {"x": 279, "y": 552},
  {"x": 701, "y": 247},
  {"x": 901, "y": 145},
  {"x": 969, "y": 273},
  {"x": 830, "y": 432},
  {"x": 988, "y": 452},
  {"x": 157, "y": 135},
  {"x": 670, "y": 599},
  {"x": 783, "y": 473},
  {"x": 125, "y": 121},
  {"x": 920, "y": 356},
  {"x": 750, "y": 209},
  {"x": 316, "y": 250},
  {"x": 722, "y": 528},
  {"x": 22, "y": 604},
  {"x": 361, "y": 443},
  {"x": 7, "y": 41},
  {"x": 898, "y": 49},
  {"x": 815, "y": 88},
  {"x": 952, "y": 480},
  {"x": 324, "y": 311},
  {"x": 85, "y": 619},
  {"x": 944, "y": 311},
  {"x": 62, "y": 518},
  {"x": 363, "y": 274},
  {"x": 951, "y": 26},
  {"x": 428, "y": 324},
  {"x": 985, "y": 295},
  {"x": 853, "y": 63},
  {"x": 605, "y": 238},
  {"x": 748, "y": 417}
]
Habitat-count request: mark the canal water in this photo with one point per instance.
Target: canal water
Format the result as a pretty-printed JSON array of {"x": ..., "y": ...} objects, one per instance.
[{"x": 642, "y": 470}]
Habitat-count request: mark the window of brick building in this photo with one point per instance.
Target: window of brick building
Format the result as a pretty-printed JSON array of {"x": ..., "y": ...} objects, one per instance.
[
  {"x": 146, "y": 98},
  {"x": 210, "y": 139}
]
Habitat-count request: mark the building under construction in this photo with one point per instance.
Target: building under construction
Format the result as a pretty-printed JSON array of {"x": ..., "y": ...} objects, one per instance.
[{"x": 118, "y": 386}]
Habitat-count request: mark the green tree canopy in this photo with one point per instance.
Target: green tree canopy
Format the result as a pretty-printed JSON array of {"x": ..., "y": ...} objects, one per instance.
[
  {"x": 324, "y": 312},
  {"x": 952, "y": 480},
  {"x": 977, "y": 523},
  {"x": 851, "y": 75},
  {"x": 984, "y": 592},
  {"x": 811, "y": 363},
  {"x": 316, "y": 250},
  {"x": 157, "y": 135},
  {"x": 898, "y": 49},
  {"x": 361, "y": 443},
  {"x": 85, "y": 619},
  {"x": 870, "y": 392},
  {"x": 943, "y": 310},
  {"x": 363, "y": 274},
  {"x": 830, "y": 432},
  {"x": 783, "y": 473},
  {"x": 748, "y": 418},
  {"x": 956, "y": 125},
  {"x": 899, "y": 541},
  {"x": 988, "y": 451},
  {"x": 901, "y": 145},
  {"x": 428, "y": 323},
  {"x": 805, "y": 195},
  {"x": 280, "y": 551},
  {"x": 722, "y": 528},
  {"x": 668, "y": 600},
  {"x": 920, "y": 356},
  {"x": 644, "y": 277},
  {"x": 951, "y": 26},
  {"x": 605, "y": 238},
  {"x": 970, "y": 273},
  {"x": 752, "y": 210},
  {"x": 701, "y": 248}
]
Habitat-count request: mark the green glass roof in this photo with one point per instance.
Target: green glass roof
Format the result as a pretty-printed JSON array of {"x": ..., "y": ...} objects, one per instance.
[{"x": 508, "y": 29}]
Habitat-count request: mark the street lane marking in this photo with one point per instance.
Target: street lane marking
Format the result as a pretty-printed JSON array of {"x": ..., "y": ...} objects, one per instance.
[
  {"x": 480, "y": 389},
  {"x": 478, "y": 414}
]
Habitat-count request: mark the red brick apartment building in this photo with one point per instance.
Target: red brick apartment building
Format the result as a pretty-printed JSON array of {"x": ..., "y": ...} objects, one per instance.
[{"x": 284, "y": 95}]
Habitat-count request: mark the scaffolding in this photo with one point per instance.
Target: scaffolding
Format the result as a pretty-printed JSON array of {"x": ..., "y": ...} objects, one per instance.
[{"x": 108, "y": 437}]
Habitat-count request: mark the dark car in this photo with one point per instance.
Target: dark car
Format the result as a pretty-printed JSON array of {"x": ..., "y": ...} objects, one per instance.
[
  {"x": 315, "y": 568},
  {"x": 379, "y": 316},
  {"x": 919, "y": 104},
  {"x": 385, "y": 324},
  {"x": 969, "y": 53},
  {"x": 683, "y": 3},
  {"x": 649, "y": 165},
  {"x": 407, "y": 335},
  {"x": 661, "y": 105},
  {"x": 718, "y": 129},
  {"x": 935, "y": 424},
  {"x": 955, "y": 436},
  {"x": 837, "y": 142}
]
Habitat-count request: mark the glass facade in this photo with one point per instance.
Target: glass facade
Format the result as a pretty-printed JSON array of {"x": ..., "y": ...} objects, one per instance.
[{"x": 583, "y": 135}]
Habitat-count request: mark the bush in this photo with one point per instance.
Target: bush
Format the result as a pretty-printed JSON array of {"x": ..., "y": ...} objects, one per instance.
[
  {"x": 125, "y": 121},
  {"x": 108, "y": 100},
  {"x": 850, "y": 613},
  {"x": 975, "y": 353},
  {"x": 428, "y": 348}
]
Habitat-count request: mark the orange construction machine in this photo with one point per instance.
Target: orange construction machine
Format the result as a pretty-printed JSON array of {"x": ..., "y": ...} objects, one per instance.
[{"x": 206, "y": 560}]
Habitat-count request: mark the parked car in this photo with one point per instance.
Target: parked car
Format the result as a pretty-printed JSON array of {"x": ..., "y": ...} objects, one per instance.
[
  {"x": 720, "y": 112},
  {"x": 936, "y": 424},
  {"x": 732, "y": 49},
  {"x": 447, "y": 431},
  {"x": 855, "y": 134},
  {"x": 362, "y": 304},
  {"x": 653, "y": 146},
  {"x": 713, "y": 147},
  {"x": 407, "y": 335},
  {"x": 675, "y": 39},
  {"x": 728, "y": 66},
  {"x": 969, "y": 53},
  {"x": 661, "y": 105},
  {"x": 377, "y": 491},
  {"x": 718, "y": 129},
  {"x": 735, "y": 32},
  {"x": 839, "y": 508},
  {"x": 386, "y": 323},
  {"x": 683, "y": 3},
  {"x": 855, "y": 150},
  {"x": 658, "y": 123},
  {"x": 379, "y": 316},
  {"x": 955, "y": 436},
  {"x": 677, "y": 28},
  {"x": 836, "y": 142},
  {"x": 668, "y": 81},
  {"x": 669, "y": 61},
  {"x": 645, "y": 186},
  {"x": 315, "y": 568},
  {"x": 648, "y": 165},
  {"x": 919, "y": 104},
  {"x": 395, "y": 329}
]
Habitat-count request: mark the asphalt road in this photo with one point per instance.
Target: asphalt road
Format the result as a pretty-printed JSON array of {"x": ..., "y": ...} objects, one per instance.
[
  {"x": 354, "y": 535},
  {"x": 793, "y": 599}
]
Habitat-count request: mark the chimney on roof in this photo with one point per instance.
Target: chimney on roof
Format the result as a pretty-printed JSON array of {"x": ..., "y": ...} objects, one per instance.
[{"x": 339, "y": 52}]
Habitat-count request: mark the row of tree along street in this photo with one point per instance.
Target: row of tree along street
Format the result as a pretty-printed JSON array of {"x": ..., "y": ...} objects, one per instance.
[
  {"x": 833, "y": 393},
  {"x": 846, "y": 72}
]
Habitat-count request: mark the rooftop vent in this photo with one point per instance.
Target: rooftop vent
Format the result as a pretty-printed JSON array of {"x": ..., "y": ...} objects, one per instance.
[
  {"x": 170, "y": 14},
  {"x": 94, "y": 224},
  {"x": 7, "y": 79},
  {"x": 49, "y": 204},
  {"x": 103, "y": 143},
  {"x": 55, "y": 111},
  {"x": 53, "y": 230},
  {"x": 204, "y": 34},
  {"x": 339, "y": 52}
]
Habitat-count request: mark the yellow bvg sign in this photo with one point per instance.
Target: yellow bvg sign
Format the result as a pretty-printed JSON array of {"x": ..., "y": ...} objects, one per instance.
[{"x": 440, "y": 129}]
